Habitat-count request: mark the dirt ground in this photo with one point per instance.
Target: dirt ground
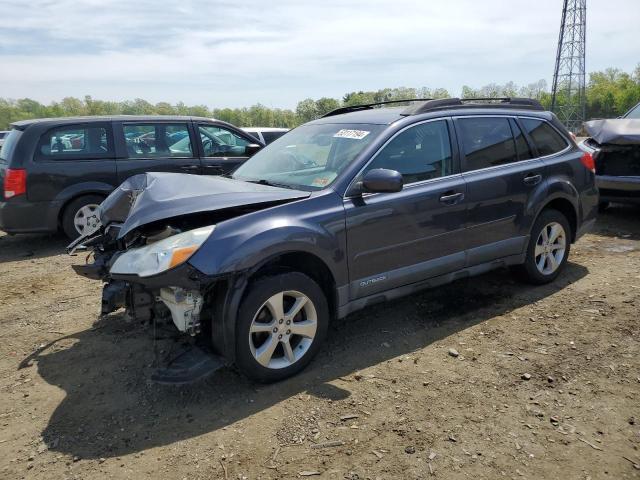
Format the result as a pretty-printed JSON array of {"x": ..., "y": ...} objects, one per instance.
[{"x": 545, "y": 384}]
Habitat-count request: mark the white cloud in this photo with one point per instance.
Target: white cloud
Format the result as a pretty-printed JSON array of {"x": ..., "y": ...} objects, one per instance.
[{"x": 228, "y": 53}]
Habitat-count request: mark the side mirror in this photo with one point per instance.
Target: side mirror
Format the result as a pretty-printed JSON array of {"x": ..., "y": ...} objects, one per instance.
[
  {"x": 252, "y": 149},
  {"x": 382, "y": 180}
]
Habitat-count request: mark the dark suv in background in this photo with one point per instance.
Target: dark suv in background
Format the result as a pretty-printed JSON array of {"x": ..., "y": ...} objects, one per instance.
[
  {"x": 55, "y": 172},
  {"x": 361, "y": 206}
]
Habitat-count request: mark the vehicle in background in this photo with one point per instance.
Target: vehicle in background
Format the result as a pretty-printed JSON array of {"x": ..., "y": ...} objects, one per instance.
[
  {"x": 55, "y": 172},
  {"x": 634, "y": 113},
  {"x": 266, "y": 134},
  {"x": 358, "y": 207},
  {"x": 3, "y": 134},
  {"x": 615, "y": 147}
]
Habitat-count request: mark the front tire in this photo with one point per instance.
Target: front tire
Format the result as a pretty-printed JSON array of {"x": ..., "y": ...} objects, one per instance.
[
  {"x": 548, "y": 248},
  {"x": 282, "y": 324}
]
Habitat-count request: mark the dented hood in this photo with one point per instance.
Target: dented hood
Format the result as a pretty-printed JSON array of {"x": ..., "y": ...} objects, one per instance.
[
  {"x": 620, "y": 131},
  {"x": 149, "y": 197}
]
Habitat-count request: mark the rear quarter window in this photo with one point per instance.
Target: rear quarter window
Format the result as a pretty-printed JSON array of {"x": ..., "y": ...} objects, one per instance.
[
  {"x": 546, "y": 139},
  {"x": 75, "y": 142},
  {"x": 9, "y": 145}
]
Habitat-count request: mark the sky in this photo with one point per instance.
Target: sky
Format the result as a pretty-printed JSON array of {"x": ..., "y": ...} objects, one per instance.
[{"x": 237, "y": 53}]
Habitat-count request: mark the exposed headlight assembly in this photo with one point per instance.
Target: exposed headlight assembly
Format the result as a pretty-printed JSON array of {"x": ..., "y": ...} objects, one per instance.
[{"x": 162, "y": 255}]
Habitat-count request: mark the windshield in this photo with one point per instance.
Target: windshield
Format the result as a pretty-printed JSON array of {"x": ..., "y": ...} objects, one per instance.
[
  {"x": 309, "y": 157},
  {"x": 635, "y": 113}
]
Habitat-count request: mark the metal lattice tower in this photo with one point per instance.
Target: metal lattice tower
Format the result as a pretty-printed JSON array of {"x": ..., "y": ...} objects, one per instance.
[{"x": 568, "y": 101}]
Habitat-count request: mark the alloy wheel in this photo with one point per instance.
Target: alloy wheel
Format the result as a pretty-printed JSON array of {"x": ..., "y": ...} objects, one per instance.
[
  {"x": 283, "y": 329},
  {"x": 550, "y": 248}
]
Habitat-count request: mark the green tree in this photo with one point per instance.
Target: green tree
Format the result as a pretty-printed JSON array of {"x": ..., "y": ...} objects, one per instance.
[
  {"x": 612, "y": 92},
  {"x": 325, "y": 105},
  {"x": 306, "y": 110},
  {"x": 609, "y": 93}
]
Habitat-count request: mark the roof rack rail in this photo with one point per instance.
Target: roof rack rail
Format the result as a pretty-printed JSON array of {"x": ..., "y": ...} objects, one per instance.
[
  {"x": 368, "y": 106},
  {"x": 446, "y": 103}
]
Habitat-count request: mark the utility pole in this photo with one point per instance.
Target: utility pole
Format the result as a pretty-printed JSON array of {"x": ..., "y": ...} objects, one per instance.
[{"x": 568, "y": 100}]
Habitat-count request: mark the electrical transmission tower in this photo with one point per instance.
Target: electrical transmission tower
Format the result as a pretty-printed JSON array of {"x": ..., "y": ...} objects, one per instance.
[{"x": 568, "y": 101}]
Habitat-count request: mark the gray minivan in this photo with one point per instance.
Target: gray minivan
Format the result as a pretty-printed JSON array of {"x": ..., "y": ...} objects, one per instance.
[{"x": 55, "y": 172}]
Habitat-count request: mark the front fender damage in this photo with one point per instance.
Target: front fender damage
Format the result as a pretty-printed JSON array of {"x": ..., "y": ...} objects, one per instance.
[{"x": 147, "y": 208}]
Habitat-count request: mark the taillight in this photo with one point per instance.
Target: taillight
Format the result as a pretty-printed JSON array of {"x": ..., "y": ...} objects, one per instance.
[
  {"x": 588, "y": 162},
  {"x": 15, "y": 182}
]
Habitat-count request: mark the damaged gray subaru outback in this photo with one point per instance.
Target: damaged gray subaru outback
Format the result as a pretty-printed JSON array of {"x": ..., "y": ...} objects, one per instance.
[{"x": 358, "y": 207}]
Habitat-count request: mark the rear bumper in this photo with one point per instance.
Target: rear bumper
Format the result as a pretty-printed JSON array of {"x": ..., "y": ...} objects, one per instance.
[
  {"x": 619, "y": 189},
  {"x": 18, "y": 215}
]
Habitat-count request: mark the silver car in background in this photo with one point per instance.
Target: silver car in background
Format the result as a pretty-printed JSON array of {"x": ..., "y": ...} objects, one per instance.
[{"x": 266, "y": 134}]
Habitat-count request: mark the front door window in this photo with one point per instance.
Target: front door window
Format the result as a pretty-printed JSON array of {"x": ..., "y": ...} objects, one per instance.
[
  {"x": 419, "y": 153},
  {"x": 220, "y": 142}
]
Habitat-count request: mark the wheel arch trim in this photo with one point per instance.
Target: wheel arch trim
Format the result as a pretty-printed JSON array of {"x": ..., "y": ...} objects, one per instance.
[
  {"x": 565, "y": 204},
  {"x": 236, "y": 287}
]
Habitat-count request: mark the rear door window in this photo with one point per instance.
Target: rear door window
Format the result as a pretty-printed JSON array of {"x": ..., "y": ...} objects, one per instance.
[
  {"x": 546, "y": 139},
  {"x": 150, "y": 140},
  {"x": 76, "y": 141},
  {"x": 486, "y": 142}
]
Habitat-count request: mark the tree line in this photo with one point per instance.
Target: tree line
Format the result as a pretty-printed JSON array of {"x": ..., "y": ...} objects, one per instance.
[{"x": 609, "y": 93}]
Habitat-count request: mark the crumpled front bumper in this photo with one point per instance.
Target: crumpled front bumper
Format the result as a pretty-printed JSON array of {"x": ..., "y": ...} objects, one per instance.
[{"x": 181, "y": 290}]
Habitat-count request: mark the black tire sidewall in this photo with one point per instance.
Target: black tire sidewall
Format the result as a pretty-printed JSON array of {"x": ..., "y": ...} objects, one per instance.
[
  {"x": 258, "y": 292},
  {"x": 70, "y": 210},
  {"x": 531, "y": 271}
]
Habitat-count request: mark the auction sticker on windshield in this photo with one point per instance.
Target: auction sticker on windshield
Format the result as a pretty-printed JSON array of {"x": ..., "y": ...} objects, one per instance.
[{"x": 355, "y": 134}]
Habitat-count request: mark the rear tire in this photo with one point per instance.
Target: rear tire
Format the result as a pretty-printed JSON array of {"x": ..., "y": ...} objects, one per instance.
[
  {"x": 282, "y": 323},
  {"x": 548, "y": 248},
  {"x": 80, "y": 216}
]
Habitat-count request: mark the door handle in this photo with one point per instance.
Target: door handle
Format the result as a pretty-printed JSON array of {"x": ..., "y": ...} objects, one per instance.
[
  {"x": 451, "y": 198},
  {"x": 190, "y": 168},
  {"x": 213, "y": 168},
  {"x": 532, "y": 179}
]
